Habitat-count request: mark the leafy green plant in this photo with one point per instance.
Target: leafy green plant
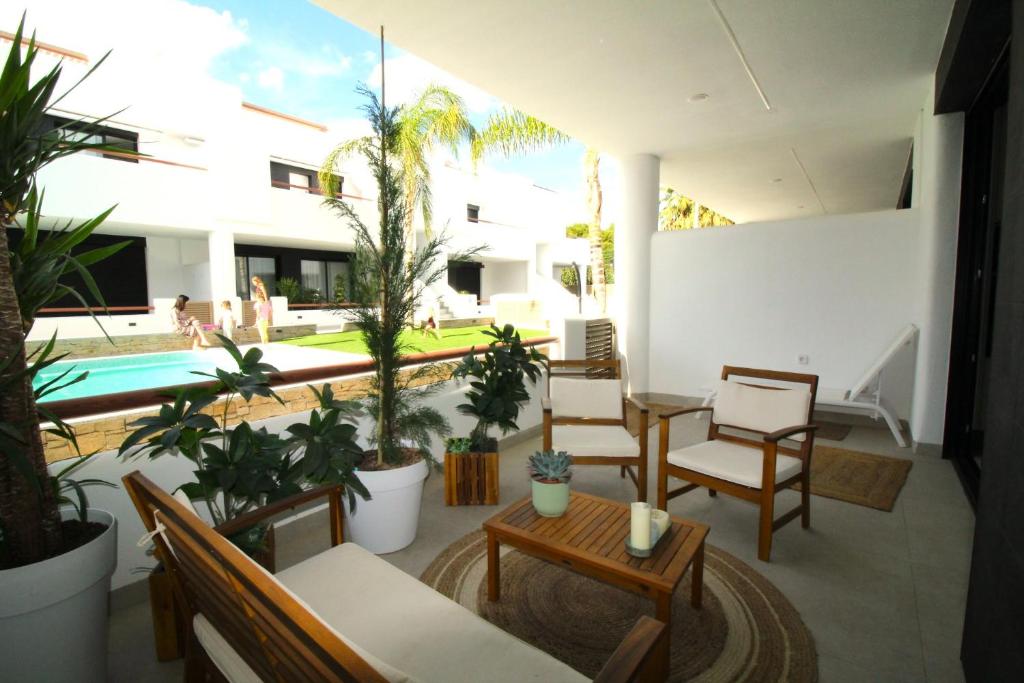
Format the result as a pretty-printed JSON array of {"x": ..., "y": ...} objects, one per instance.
[
  {"x": 289, "y": 288},
  {"x": 459, "y": 445},
  {"x": 388, "y": 279},
  {"x": 31, "y": 276},
  {"x": 550, "y": 467},
  {"x": 240, "y": 468},
  {"x": 498, "y": 383}
]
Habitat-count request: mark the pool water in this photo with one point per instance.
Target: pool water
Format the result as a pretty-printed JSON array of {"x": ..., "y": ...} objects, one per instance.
[{"x": 129, "y": 373}]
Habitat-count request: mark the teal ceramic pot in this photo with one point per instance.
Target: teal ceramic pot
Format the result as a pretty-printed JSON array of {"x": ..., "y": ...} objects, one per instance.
[{"x": 550, "y": 500}]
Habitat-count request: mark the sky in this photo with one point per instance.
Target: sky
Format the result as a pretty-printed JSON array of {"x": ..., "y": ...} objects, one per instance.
[{"x": 303, "y": 60}]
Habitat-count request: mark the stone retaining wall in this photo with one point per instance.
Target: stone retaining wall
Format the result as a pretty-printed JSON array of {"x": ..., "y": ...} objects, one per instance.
[
  {"x": 105, "y": 434},
  {"x": 91, "y": 347}
]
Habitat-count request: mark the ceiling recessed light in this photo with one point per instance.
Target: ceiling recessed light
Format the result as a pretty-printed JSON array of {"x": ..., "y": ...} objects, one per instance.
[
  {"x": 800, "y": 207},
  {"x": 698, "y": 97},
  {"x": 776, "y": 180}
]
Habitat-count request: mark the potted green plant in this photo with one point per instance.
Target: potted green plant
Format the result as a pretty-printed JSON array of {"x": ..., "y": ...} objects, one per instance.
[
  {"x": 497, "y": 392},
  {"x": 55, "y": 560},
  {"x": 388, "y": 279},
  {"x": 241, "y": 468},
  {"x": 550, "y": 472}
]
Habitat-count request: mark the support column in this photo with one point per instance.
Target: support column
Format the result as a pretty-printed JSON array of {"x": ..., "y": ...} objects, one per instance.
[
  {"x": 639, "y": 177},
  {"x": 222, "y": 265}
]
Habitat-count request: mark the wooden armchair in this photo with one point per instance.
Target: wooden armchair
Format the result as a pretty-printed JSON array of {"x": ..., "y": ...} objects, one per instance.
[
  {"x": 754, "y": 470},
  {"x": 245, "y": 624},
  {"x": 585, "y": 416}
]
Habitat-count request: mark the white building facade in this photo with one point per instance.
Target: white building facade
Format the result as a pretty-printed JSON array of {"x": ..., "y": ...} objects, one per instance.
[{"x": 216, "y": 190}]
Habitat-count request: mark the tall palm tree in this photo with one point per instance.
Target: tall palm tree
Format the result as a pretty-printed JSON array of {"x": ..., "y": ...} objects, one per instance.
[
  {"x": 438, "y": 118},
  {"x": 591, "y": 165}
]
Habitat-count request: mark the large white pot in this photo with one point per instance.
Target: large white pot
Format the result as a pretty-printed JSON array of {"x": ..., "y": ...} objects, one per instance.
[
  {"x": 388, "y": 521},
  {"x": 53, "y": 614}
]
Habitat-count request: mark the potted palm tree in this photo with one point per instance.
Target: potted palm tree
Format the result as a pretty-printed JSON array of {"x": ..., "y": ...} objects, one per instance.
[
  {"x": 497, "y": 392},
  {"x": 55, "y": 561},
  {"x": 388, "y": 278}
]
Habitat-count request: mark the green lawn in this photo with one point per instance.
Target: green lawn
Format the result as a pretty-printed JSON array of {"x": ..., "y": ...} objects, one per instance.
[{"x": 451, "y": 338}]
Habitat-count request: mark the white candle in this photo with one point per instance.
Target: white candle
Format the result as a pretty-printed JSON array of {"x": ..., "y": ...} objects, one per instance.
[
  {"x": 640, "y": 526},
  {"x": 661, "y": 519}
]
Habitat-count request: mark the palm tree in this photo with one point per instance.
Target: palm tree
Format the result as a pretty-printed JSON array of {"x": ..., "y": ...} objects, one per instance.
[
  {"x": 437, "y": 118},
  {"x": 32, "y": 276},
  {"x": 591, "y": 165}
]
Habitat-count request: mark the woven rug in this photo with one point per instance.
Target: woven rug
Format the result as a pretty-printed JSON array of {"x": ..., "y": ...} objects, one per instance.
[
  {"x": 874, "y": 481},
  {"x": 746, "y": 631}
]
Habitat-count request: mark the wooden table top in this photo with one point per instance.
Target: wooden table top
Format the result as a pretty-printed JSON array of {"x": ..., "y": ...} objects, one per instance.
[{"x": 594, "y": 530}]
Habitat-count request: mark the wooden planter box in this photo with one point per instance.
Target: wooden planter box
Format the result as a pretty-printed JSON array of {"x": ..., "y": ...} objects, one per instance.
[{"x": 471, "y": 478}]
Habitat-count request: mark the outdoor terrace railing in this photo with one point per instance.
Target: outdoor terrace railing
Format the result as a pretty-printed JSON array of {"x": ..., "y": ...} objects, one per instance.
[
  {"x": 313, "y": 190},
  {"x": 149, "y": 398}
]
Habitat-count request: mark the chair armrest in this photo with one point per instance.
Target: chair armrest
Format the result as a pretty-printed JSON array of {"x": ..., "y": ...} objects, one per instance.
[
  {"x": 254, "y": 517},
  {"x": 545, "y": 404},
  {"x": 787, "y": 432},
  {"x": 640, "y": 405},
  {"x": 633, "y": 657},
  {"x": 684, "y": 411}
]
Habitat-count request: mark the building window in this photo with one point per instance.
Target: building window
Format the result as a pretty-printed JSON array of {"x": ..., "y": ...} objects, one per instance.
[
  {"x": 324, "y": 280},
  {"x": 472, "y": 213},
  {"x": 247, "y": 267},
  {"x": 289, "y": 177},
  {"x": 125, "y": 144}
]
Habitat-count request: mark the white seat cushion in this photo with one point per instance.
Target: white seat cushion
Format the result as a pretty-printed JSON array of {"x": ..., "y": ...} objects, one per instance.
[
  {"x": 411, "y": 626},
  {"x": 600, "y": 398},
  {"x": 730, "y": 461},
  {"x": 761, "y": 410},
  {"x": 590, "y": 440}
]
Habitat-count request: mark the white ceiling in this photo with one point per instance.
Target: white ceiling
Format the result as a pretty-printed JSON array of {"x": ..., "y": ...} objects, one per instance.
[{"x": 846, "y": 80}]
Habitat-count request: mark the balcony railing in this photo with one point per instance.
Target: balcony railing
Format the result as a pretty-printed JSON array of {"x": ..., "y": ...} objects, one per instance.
[{"x": 314, "y": 190}]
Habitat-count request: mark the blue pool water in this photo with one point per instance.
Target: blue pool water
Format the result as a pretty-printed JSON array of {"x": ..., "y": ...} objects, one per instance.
[{"x": 128, "y": 373}]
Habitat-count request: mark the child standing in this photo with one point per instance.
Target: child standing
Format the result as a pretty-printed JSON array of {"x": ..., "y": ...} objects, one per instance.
[
  {"x": 226, "y": 319},
  {"x": 264, "y": 314}
]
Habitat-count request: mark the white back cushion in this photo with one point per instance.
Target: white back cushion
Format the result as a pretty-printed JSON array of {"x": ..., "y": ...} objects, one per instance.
[
  {"x": 601, "y": 398},
  {"x": 762, "y": 410}
]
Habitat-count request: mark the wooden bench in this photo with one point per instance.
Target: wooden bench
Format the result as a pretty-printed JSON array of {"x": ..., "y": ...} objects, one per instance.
[{"x": 308, "y": 624}]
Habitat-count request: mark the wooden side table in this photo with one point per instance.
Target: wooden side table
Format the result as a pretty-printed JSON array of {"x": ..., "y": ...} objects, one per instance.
[{"x": 590, "y": 539}]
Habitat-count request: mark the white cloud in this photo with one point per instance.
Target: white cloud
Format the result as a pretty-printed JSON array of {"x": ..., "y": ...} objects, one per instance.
[
  {"x": 330, "y": 62},
  {"x": 152, "y": 70},
  {"x": 244, "y": 77},
  {"x": 408, "y": 75},
  {"x": 370, "y": 57},
  {"x": 271, "y": 78}
]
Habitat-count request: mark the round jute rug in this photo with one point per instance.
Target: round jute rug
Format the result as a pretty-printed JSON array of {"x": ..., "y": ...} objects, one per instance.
[{"x": 746, "y": 631}]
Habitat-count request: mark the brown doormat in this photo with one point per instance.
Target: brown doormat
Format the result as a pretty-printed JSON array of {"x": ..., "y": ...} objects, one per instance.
[
  {"x": 746, "y": 631},
  {"x": 866, "y": 479},
  {"x": 833, "y": 431}
]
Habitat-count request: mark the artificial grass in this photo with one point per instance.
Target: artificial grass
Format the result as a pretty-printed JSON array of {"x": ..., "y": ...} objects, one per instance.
[{"x": 451, "y": 338}]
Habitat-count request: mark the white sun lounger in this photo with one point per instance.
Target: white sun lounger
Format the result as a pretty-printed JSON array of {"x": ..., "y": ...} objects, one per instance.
[{"x": 865, "y": 395}]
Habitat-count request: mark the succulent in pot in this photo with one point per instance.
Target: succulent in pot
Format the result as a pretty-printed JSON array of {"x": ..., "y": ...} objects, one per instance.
[{"x": 551, "y": 472}]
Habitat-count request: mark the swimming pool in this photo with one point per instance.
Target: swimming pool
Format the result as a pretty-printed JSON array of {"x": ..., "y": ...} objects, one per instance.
[
  {"x": 114, "y": 374},
  {"x": 128, "y": 373}
]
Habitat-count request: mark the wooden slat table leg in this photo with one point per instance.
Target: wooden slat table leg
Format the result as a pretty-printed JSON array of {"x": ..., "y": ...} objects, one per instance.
[
  {"x": 493, "y": 568},
  {"x": 663, "y": 613},
  {"x": 697, "y": 590}
]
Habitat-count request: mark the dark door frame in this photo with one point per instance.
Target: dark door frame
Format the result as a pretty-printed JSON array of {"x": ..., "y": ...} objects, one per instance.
[{"x": 962, "y": 435}]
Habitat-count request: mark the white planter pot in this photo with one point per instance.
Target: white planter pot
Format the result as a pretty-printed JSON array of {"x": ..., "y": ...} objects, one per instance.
[
  {"x": 53, "y": 614},
  {"x": 388, "y": 521}
]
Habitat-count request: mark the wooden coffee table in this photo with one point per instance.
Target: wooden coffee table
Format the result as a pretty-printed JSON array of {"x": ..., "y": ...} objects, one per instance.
[{"x": 590, "y": 539}]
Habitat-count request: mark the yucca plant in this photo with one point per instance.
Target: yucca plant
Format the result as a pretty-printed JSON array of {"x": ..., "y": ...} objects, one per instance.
[
  {"x": 550, "y": 467},
  {"x": 32, "y": 276}
]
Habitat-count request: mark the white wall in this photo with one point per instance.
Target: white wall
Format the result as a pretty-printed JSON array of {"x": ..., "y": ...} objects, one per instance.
[
  {"x": 938, "y": 148},
  {"x": 837, "y": 288},
  {"x": 169, "y": 472},
  {"x": 164, "y": 277},
  {"x": 503, "y": 277}
]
